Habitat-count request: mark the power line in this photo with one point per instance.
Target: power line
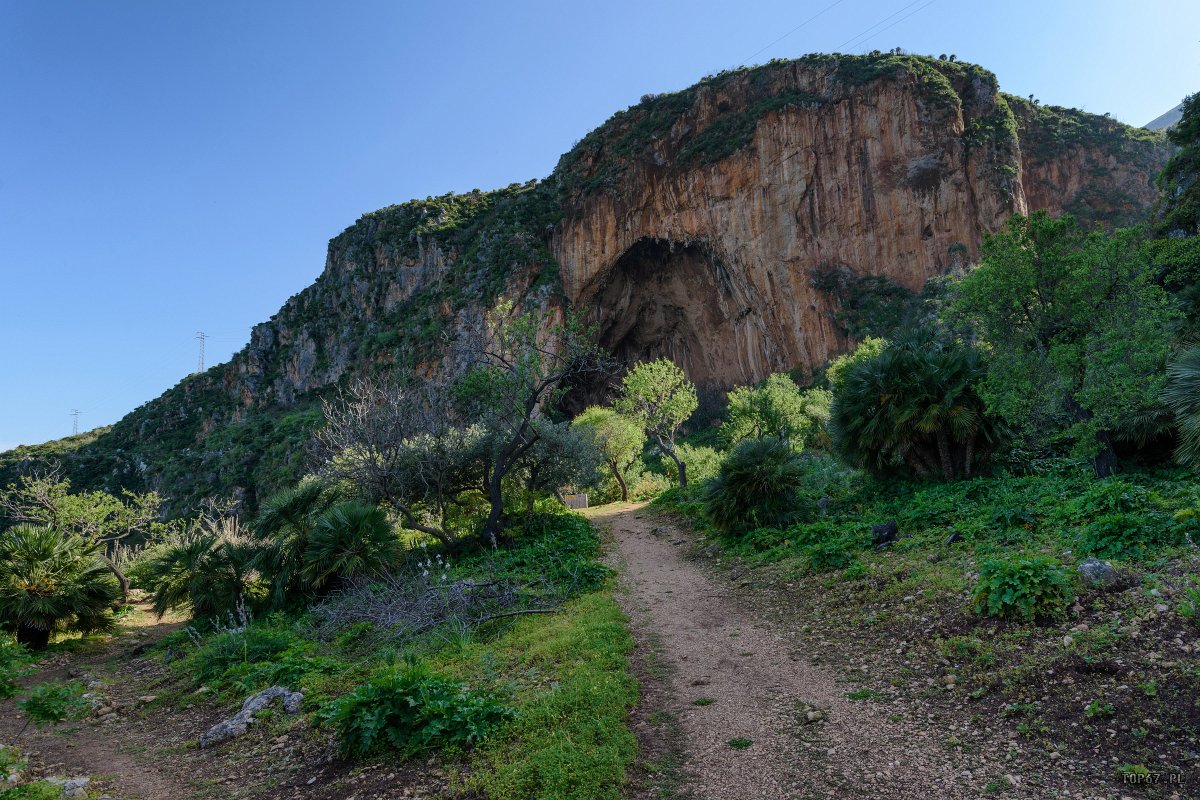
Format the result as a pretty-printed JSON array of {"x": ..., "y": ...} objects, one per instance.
[
  {"x": 897, "y": 22},
  {"x": 201, "y": 335},
  {"x": 74, "y": 421},
  {"x": 793, "y": 30},
  {"x": 858, "y": 36}
]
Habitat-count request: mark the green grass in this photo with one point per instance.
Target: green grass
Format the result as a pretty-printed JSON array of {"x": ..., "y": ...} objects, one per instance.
[
  {"x": 566, "y": 675},
  {"x": 570, "y": 739}
]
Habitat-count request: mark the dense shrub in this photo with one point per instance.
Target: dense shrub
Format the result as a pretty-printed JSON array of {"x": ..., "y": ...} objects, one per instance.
[
  {"x": 209, "y": 568},
  {"x": 1126, "y": 535},
  {"x": 250, "y": 644},
  {"x": 755, "y": 488},
  {"x": 1024, "y": 587},
  {"x": 775, "y": 407},
  {"x": 913, "y": 410},
  {"x": 52, "y": 703},
  {"x": 834, "y": 553},
  {"x": 410, "y": 709},
  {"x": 53, "y": 581},
  {"x": 702, "y": 462}
]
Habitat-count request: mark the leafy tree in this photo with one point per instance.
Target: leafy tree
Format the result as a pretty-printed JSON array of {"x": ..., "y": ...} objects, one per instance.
[
  {"x": 52, "y": 580},
  {"x": 776, "y": 407},
  {"x": 521, "y": 370},
  {"x": 430, "y": 453},
  {"x": 99, "y": 517},
  {"x": 408, "y": 449},
  {"x": 620, "y": 438},
  {"x": 1077, "y": 328},
  {"x": 660, "y": 397},
  {"x": 563, "y": 456},
  {"x": 1179, "y": 206},
  {"x": 913, "y": 407}
]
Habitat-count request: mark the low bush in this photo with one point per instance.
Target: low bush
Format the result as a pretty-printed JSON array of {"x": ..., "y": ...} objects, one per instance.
[
  {"x": 833, "y": 554},
  {"x": 15, "y": 663},
  {"x": 1024, "y": 587},
  {"x": 1125, "y": 535},
  {"x": 756, "y": 487},
  {"x": 702, "y": 463},
  {"x": 649, "y": 486},
  {"x": 410, "y": 709},
  {"x": 230, "y": 649}
]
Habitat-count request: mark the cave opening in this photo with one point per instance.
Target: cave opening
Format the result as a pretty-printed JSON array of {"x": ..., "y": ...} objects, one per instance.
[{"x": 670, "y": 299}]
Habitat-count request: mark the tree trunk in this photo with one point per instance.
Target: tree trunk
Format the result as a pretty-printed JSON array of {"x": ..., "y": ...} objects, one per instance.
[
  {"x": 916, "y": 465},
  {"x": 33, "y": 638},
  {"x": 1105, "y": 461},
  {"x": 495, "y": 520},
  {"x": 620, "y": 480},
  {"x": 943, "y": 446},
  {"x": 968, "y": 454},
  {"x": 121, "y": 579}
]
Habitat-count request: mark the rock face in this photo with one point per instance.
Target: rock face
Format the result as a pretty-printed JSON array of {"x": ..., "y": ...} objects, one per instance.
[{"x": 689, "y": 226}]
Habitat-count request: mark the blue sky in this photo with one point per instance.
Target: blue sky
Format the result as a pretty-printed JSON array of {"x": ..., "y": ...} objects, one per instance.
[{"x": 173, "y": 167}]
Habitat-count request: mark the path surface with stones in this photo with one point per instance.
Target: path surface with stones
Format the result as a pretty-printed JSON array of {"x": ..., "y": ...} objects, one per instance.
[{"x": 807, "y": 739}]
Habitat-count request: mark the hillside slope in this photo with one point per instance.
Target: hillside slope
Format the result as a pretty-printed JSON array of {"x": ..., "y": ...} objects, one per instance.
[{"x": 688, "y": 225}]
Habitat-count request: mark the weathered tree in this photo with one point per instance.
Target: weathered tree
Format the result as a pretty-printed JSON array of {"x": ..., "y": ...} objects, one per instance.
[
  {"x": 521, "y": 370},
  {"x": 405, "y": 448}
]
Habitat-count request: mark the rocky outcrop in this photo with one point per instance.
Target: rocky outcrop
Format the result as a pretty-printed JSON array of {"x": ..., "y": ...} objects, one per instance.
[
  {"x": 896, "y": 167},
  {"x": 689, "y": 226}
]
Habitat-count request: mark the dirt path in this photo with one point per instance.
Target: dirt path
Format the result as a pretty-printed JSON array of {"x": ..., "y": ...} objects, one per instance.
[
  {"x": 808, "y": 739},
  {"x": 114, "y": 753}
]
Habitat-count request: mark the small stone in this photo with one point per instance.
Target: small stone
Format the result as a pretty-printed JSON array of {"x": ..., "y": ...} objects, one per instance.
[
  {"x": 814, "y": 716},
  {"x": 312, "y": 780},
  {"x": 147, "y": 698},
  {"x": 1097, "y": 574}
]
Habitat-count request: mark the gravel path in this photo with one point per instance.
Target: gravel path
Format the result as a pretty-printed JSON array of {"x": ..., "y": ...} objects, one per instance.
[{"x": 807, "y": 739}]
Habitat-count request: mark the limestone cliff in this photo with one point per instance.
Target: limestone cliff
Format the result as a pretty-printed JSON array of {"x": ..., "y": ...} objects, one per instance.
[{"x": 689, "y": 225}]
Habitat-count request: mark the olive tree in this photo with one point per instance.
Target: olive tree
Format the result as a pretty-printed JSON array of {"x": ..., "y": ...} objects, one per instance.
[
  {"x": 520, "y": 371},
  {"x": 660, "y": 397},
  {"x": 620, "y": 438}
]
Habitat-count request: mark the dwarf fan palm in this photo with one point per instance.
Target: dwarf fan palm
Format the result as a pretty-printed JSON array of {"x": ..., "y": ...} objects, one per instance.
[
  {"x": 53, "y": 581},
  {"x": 351, "y": 538},
  {"x": 913, "y": 406}
]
